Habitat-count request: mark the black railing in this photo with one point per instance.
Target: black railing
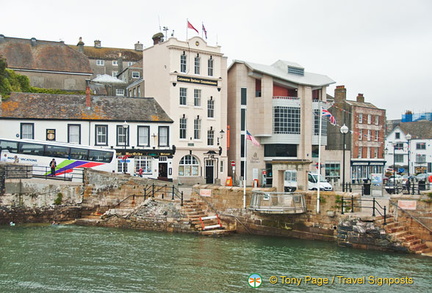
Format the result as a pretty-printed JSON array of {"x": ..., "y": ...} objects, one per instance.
[
  {"x": 412, "y": 216},
  {"x": 35, "y": 171},
  {"x": 173, "y": 191},
  {"x": 348, "y": 203}
]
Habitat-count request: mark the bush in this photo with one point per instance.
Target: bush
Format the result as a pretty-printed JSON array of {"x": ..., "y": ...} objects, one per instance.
[{"x": 59, "y": 199}]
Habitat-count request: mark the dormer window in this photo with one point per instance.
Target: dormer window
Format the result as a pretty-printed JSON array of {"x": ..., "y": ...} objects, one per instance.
[{"x": 296, "y": 70}]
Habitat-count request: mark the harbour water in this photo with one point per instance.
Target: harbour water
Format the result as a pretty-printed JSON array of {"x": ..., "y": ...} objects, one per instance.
[{"x": 45, "y": 258}]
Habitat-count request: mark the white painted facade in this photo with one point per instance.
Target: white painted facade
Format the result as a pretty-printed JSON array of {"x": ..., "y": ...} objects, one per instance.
[
  {"x": 176, "y": 68},
  {"x": 154, "y": 155},
  {"x": 414, "y": 156}
]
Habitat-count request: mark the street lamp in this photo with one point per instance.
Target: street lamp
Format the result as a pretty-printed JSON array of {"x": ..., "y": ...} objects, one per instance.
[
  {"x": 408, "y": 137},
  {"x": 344, "y": 131},
  {"x": 125, "y": 127}
]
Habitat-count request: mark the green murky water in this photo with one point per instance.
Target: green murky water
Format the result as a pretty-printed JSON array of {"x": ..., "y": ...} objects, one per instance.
[{"x": 42, "y": 258}]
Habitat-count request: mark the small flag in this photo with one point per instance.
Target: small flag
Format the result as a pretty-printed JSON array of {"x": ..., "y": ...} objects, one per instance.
[
  {"x": 204, "y": 30},
  {"x": 189, "y": 25},
  {"x": 331, "y": 118},
  {"x": 252, "y": 139}
]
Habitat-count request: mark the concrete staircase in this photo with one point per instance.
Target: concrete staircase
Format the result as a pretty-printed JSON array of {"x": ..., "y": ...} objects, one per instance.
[
  {"x": 205, "y": 224},
  {"x": 399, "y": 232}
]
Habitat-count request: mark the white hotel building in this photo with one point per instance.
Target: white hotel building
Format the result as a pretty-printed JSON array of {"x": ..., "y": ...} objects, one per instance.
[{"x": 189, "y": 80}]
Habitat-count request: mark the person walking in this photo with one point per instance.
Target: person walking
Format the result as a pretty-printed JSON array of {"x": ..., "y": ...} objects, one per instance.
[{"x": 53, "y": 166}]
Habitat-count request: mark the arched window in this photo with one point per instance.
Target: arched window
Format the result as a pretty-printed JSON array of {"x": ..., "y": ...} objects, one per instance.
[{"x": 188, "y": 166}]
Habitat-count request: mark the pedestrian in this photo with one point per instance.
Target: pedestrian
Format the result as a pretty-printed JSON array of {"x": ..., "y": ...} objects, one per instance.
[
  {"x": 140, "y": 172},
  {"x": 53, "y": 166},
  {"x": 4, "y": 158},
  {"x": 16, "y": 159}
]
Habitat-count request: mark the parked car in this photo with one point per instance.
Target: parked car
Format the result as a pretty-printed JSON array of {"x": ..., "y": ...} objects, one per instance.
[{"x": 313, "y": 183}]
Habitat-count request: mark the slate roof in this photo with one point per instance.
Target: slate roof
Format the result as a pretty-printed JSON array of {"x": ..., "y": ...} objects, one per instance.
[
  {"x": 308, "y": 78},
  {"x": 361, "y": 104},
  {"x": 419, "y": 129},
  {"x": 33, "y": 54},
  {"x": 110, "y": 53},
  {"x": 73, "y": 107}
]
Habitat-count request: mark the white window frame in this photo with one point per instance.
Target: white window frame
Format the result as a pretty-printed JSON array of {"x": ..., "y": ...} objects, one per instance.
[
  {"x": 197, "y": 128},
  {"x": 183, "y": 128},
  {"x": 120, "y": 92},
  {"x": 100, "y": 62},
  {"x": 74, "y": 133},
  {"x": 183, "y": 96},
  {"x": 136, "y": 74},
  {"x": 144, "y": 135},
  {"x": 101, "y": 134},
  {"x": 197, "y": 97}
]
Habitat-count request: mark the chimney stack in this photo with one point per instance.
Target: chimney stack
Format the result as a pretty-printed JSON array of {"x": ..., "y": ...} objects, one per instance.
[
  {"x": 80, "y": 45},
  {"x": 120, "y": 63},
  {"x": 360, "y": 98},
  {"x": 139, "y": 47},
  {"x": 97, "y": 44},
  {"x": 340, "y": 94},
  {"x": 88, "y": 97},
  {"x": 158, "y": 38}
]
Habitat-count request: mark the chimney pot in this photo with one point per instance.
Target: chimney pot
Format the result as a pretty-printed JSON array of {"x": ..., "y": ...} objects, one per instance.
[
  {"x": 340, "y": 94},
  {"x": 97, "y": 44},
  {"x": 360, "y": 98}
]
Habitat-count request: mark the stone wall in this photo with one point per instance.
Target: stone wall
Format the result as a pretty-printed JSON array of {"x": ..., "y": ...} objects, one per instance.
[
  {"x": 38, "y": 215},
  {"x": 228, "y": 203}
]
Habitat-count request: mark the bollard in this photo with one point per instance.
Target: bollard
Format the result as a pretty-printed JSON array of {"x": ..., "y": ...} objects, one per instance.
[
  {"x": 181, "y": 198},
  {"x": 352, "y": 203},
  {"x": 385, "y": 215},
  {"x": 173, "y": 193},
  {"x": 373, "y": 207},
  {"x": 342, "y": 212}
]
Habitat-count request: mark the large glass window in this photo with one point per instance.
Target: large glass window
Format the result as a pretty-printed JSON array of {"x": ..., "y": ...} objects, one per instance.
[
  {"x": 317, "y": 122},
  {"x": 332, "y": 170},
  {"x": 183, "y": 96},
  {"x": 163, "y": 136},
  {"x": 197, "y": 128},
  {"x": 183, "y": 127},
  {"x": 32, "y": 149},
  {"x": 57, "y": 151},
  {"x": 188, "y": 166},
  {"x": 286, "y": 120},
  {"x": 144, "y": 163},
  {"x": 78, "y": 154},
  {"x": 197, "y": 98},
  {"x": 210, "y": 108},
  {"x": 27, "y": 130},
  {"x": 143, "y": 135},
  {"x": 10, "y": 146},
  {"x": 183, "y": 63},
  {"x": 74, "y": 133},
  {"x": 101, "y": 135}
]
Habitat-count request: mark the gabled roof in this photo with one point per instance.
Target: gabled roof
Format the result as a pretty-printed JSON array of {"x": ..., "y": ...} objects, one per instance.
[
  {"x": 33, "y": 54},
  {"x": 418, "y": 130},
  {"x": 73, "y": 107},
  {"x": 276, "y": 71}
]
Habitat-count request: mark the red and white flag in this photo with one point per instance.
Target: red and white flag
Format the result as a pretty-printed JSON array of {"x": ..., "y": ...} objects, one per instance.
[
  {"x": 189, "y": 25},
  {"x": 251, "y": 138}
]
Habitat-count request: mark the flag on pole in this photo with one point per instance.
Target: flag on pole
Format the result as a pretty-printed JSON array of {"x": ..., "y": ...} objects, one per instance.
[
  {"x": 189, "y": 25},
  {"x": 204, "y": 30},
  {"x": 326, "y": 113},
  {"x": 252, "y": 139}
]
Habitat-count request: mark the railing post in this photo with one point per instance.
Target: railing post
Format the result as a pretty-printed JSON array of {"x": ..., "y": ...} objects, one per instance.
[
  {"x": 153, "y": 192},
  {"x": 352, "y": 203},
  {"x": 145, "y": 193},
  {"x": 350, "y": 187},
  {"x": 373, "y": 207},
  {"x": 385, "y": 215},
  {"x": 173, "y": 192},
  {"x": 342, "y": 207},
  {"x": 181, "y": 198}
]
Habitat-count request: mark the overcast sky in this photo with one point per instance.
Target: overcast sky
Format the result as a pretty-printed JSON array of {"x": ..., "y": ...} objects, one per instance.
[{"x": 381, "y": 48}]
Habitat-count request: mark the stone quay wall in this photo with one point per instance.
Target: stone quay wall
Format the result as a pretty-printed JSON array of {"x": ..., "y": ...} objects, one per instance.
[{"x": 228, "y": 203}]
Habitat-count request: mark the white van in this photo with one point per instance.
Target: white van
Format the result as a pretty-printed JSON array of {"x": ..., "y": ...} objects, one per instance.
[
  {"x": 313, "y": 183},
  {"x": 290, "y": 180}
]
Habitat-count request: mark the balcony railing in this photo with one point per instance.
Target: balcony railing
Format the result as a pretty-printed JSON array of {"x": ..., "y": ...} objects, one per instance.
[{"x": 285, "y": 98}]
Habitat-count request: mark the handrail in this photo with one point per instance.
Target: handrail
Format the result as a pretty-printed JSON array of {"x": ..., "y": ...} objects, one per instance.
[
  {"x": 175, "y": 192},
  {"x": 123, "y": 200},
  {"x": 412, "y": 216},
  {"x": 373, "y": 207}
]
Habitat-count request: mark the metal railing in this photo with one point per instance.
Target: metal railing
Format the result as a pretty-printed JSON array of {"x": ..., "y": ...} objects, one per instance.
[
  {"x": 35, "y": 171},
  {"x": 153, "y": 190},
  {"x": 411, "y": 216},
  {"x": 348, "y": 204},
  {"x": 278, "y": 202}
]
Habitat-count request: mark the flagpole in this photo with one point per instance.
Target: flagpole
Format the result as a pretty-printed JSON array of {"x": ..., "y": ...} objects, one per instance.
[
  {"x": 319, "y": 157},
  {"x": 245, "y": 167},
  {"x": 187, "y": 28}
]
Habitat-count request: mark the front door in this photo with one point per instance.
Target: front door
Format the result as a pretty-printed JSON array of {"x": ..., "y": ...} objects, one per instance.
[
  {"x": 163, "y": 174},
  {"x": 209, "y": 172}
]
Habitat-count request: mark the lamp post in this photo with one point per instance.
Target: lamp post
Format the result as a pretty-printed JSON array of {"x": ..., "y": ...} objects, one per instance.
[
  {"x": 394, "y": 167},
  {"x": 344, "y": 131},
  {"x": 408, "y": 137},
  {"x": 125, "y": 127}
]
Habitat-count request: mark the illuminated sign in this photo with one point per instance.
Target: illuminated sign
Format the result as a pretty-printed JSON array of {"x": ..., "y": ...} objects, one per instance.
[{"x": 203, "y": 81}]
